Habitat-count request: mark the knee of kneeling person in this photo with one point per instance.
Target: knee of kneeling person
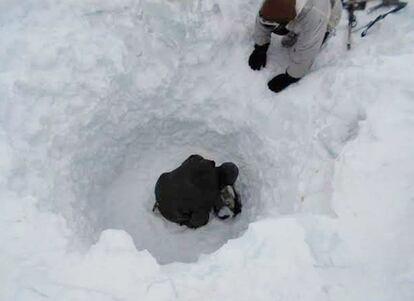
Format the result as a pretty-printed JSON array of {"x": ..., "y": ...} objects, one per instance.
[{"x": 198, "y": 219}]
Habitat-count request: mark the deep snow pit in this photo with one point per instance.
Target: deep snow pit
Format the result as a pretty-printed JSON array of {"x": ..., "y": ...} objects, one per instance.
[
  {"x": 111, "y": 178},
  {"x": 125, "y": 199}
]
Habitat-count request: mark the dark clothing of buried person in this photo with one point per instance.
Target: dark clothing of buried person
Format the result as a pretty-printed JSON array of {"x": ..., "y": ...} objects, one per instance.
[{"x": 189, "y": 193}]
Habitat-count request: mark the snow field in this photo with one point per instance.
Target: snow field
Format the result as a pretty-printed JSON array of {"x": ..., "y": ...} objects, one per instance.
[{"x": 100, "y": 97}]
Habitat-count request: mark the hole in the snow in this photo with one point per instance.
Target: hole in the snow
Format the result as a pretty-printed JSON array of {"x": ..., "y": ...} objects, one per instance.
[{"x": 113, "y": 185}]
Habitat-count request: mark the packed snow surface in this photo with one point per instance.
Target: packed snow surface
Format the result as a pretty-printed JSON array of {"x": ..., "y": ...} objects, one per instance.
[{"x": 98, "y": 98}]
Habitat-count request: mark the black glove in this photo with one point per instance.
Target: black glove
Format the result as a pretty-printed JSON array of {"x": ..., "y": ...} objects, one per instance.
[
  {"x": 281, "y": 81},
  {"x": 257, "y": 59}
]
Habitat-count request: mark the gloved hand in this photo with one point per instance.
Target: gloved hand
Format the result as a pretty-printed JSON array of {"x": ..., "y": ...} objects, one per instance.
[
  {"x": 258, "y": 58},
  {"x": 281, "y": 81},
  {"x": 229, "y": 204}
]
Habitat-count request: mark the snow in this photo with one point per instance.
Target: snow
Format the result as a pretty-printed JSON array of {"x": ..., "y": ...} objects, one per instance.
[{"x": 100, "y": 97}]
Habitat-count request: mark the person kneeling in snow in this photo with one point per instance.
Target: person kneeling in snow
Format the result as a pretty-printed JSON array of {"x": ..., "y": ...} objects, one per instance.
[
  {"x": 188, "y": 194},
  {"x": 305, "y": 25}
]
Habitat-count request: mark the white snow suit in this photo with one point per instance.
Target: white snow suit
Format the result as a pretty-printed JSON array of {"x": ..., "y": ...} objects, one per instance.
[{"x": 314, "y": 18}]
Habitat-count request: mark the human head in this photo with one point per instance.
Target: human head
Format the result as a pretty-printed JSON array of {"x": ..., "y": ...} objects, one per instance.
[{"x": 228, "y": 173}]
